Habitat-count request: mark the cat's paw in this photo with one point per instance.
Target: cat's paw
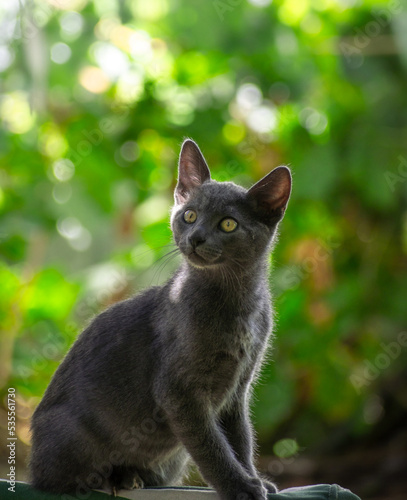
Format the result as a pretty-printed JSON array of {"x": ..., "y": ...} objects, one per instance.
[
  {"x": 126, "y": 479},
  {"x": 251, "y": 489},
  {"x": 138, "y": 483},
  {"x": 270, "y": 487}
]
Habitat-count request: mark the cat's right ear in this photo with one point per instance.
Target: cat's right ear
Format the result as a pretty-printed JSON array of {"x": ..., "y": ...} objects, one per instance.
[
  {"x": 192, "y": 171},
  {"x": 271, "y": 194}
]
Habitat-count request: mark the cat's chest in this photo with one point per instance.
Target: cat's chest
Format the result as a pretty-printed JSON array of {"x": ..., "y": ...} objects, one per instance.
[
  {"x": 239, "y": 336},
  {"x": 236, "y": 332},
  {"x": 230, "y": 362},
  {"x": 216, "y": 341}
]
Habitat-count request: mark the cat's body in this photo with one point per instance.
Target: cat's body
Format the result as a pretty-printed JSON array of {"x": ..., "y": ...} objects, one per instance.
[{"x": 166, "y": 375}]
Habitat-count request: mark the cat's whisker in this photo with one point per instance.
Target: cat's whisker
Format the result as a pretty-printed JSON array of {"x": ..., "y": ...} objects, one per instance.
[
  {"x": 239, "y": 264},
  {"x": 143, "y": 271},
  {"x": 154, "y": 249},
  {"x": 222, "y": 300},
  {"x": 163, "y": 261},
  {"x": 230, "y": 276},
  {"x": 228, "y": 286}
]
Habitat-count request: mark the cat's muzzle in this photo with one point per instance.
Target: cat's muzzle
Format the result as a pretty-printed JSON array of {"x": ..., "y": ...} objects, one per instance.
[{"x": 203, "y": 255}]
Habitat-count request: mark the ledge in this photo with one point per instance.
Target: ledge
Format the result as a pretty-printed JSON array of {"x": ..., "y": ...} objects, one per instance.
[{"x": 23, "y": 491}]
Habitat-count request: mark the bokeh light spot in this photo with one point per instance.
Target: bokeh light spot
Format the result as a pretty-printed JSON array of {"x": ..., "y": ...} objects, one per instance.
[
  {"x": 60, "y": 53},
  {"x": 94, "y": 80},
  {"x": 78, "y": 237},
  {"x": 16, "y": 113},
  {"x": 63, "y": 169},
  {"x": 72, "y": 24},
  {"x": 285, "y": 448},
  {"x": 234, "y": 132},
  {"x": 130, "y": 151},
  {"x": 6, "y": 57}
]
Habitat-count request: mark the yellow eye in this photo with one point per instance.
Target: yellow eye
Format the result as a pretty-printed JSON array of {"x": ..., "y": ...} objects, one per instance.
[
  {"x": 190, "y": 216},
  {"x": 228, "y": 225}
]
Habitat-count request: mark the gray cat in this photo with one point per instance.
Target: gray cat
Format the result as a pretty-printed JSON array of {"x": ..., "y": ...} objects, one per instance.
[{"x": 166, "y": 376}]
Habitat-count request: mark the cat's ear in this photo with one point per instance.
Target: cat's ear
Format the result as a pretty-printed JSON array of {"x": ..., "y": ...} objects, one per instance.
[
  {"x": 192, "y": 171},
  {"x": 271, "y": 194}
]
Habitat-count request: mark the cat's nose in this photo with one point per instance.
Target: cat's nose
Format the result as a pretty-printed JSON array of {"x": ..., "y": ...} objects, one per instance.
[{"x": 196, "y": 238}]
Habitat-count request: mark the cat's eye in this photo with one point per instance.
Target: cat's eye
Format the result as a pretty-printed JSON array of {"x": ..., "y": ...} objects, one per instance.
[
  {"x": 228, "y": 225},
  {"x": 190, "y": 216}
]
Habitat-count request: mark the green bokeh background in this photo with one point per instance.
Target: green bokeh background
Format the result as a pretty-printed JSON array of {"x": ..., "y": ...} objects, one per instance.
[{"x": 96, "y": 97}]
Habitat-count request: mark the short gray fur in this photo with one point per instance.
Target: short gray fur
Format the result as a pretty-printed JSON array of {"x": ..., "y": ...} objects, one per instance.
[{"x": 166, "y": 375}]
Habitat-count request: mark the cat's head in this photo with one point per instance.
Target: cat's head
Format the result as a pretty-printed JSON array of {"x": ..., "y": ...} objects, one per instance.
[{"x": 220, "y": 223}]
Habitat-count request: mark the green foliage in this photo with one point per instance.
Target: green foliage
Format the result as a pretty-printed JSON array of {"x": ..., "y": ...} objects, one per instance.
[{"x": 94, "y": 106}]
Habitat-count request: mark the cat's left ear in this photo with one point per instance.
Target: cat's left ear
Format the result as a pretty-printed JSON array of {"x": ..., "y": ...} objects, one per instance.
[
  {"x": 192, "y": 171},
  {"x": 271, "y": 194}
]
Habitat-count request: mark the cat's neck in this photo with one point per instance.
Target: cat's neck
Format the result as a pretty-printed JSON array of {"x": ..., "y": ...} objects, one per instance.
[{"x": 236, "y": 283}]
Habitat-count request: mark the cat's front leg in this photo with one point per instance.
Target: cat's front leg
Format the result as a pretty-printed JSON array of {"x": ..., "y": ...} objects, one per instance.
[
  {"x": 238, "y": 429},
  {"x": 198, "y": 429}
]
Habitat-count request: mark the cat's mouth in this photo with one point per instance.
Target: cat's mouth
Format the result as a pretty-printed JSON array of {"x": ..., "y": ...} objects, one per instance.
[{"x": 204, "y": 257}]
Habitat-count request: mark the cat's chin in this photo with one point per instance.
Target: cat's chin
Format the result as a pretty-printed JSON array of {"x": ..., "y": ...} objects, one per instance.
[{"x": 200, "y": 262}]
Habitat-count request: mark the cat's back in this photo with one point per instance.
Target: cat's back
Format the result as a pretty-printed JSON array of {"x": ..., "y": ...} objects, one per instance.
[
  {"x": 114, "y": 350},
  {"x": 123, "y": 327}
]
